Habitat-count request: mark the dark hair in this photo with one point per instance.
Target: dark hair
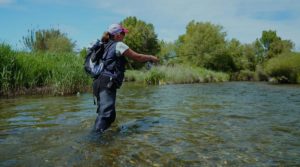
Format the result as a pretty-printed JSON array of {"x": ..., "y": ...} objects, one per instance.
[{"x": 106, "y": 37}]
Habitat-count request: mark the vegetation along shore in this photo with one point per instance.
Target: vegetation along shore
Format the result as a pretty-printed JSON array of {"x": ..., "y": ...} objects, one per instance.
[{"x": 49, "y": 64}]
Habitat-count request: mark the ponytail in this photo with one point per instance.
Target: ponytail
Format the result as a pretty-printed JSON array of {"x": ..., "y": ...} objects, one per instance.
[{"x": 106, "y": 37}]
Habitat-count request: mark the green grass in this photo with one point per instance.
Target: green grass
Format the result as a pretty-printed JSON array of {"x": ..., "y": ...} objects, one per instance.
[
  {"x": 22, "y": 72},
  {"x": 62, "y": 73}
]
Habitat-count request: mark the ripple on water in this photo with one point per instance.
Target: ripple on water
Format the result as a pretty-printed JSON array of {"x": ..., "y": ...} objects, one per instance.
[{"x": 222, "y": 124}]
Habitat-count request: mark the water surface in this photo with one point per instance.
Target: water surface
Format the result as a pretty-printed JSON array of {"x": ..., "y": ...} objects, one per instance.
[{"x": 221, "y": 124}]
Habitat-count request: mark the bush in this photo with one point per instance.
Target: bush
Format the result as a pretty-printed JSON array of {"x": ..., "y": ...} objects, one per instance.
[
  {"x": 48, "y": 40},
  {"x": 154, "y": 77},
  {"x": 284, "y": 68},
  {"x": 260, "y": 74},
  {"x": 243, "y": 75}
]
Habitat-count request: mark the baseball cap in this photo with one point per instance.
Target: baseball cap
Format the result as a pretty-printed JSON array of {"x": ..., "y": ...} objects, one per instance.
[{"x": 116, "y": 28}]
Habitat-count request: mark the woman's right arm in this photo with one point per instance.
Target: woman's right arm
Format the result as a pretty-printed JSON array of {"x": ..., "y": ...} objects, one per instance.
[{"x": 139, "y": 57}]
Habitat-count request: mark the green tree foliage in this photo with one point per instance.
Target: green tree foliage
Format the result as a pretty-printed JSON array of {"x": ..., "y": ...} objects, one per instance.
[
  {"x": 50, "y": 40},
  {"x": 221, "y": 60},
  {"x": 141, "y": 38},
  {"x": 267, "y": 38},
  {"x": 280, "y": 46},
  {"x": 270, "y": 45},
  {"x": 200, "y": 42},
  {"x": 235, "y": 51},
  {"x": 249, "y": 54},
  {"x": 167, "y": 54},
  {"x": 204, "y": 45}
]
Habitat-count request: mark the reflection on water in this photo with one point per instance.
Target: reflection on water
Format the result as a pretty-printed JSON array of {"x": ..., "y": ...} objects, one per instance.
[{"x": 223, "y": 124}]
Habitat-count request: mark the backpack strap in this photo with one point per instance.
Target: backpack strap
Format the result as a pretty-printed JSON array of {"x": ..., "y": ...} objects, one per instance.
[
  {"x": 106, "y": 61},
  {"x": 106, "y": 49}
]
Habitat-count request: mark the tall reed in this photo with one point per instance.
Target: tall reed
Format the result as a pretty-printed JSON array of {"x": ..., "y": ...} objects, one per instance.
[
  {"x": 57, "y": 73},
  {"x": 62, "y": 73},
  {"x": 177, "y": 74}
]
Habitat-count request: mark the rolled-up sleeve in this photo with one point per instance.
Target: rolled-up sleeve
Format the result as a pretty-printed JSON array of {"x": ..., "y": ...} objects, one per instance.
[{"x": 121, "y": 47}]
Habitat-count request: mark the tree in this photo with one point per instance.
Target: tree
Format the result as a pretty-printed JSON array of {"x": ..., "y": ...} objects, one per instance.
[
  {"x": 235, "y": 51},
  {"x": 167, "y": 54},
  {"x": 280, "y": 46},
  {"x": 267, "y": 38},
  {"x": 221, "y": 61},
  {"x": 141, "y": 38},
  {"x": 249, "y": 54},
  {"x": 270, "y": 45},
  {"x": 51, "y": 40},
  {"x": 200, "y": 43}
]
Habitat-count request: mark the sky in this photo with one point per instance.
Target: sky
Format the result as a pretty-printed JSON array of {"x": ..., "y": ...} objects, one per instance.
[{"x": 85, "y": 20}]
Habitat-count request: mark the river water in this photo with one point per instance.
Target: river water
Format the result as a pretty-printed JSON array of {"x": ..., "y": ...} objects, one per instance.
[{"x": 216, "y": 124}]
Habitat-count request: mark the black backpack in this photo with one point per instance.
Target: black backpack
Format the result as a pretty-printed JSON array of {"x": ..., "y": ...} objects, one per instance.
[{"x": 94, "y": 64}]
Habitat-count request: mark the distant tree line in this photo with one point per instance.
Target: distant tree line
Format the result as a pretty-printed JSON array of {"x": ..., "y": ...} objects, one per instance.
[{"x": 204, "y": 45}]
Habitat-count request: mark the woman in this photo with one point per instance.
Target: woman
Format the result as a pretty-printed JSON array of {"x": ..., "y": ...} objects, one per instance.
[{"x": 113, "y": 74}]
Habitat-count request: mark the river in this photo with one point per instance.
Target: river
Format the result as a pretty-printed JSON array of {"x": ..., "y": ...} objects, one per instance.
[{"x": 215, "y": 124}]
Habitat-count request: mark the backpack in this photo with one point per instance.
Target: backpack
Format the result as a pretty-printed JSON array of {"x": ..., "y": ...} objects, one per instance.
[{"x": 94, "y": 64}]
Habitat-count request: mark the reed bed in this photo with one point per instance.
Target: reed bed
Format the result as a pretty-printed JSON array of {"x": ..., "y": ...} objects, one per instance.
[
  {"x": 62, "y": 73},
  {"x": 178, "y": 74},
  {"x": 30, "y": 73}
]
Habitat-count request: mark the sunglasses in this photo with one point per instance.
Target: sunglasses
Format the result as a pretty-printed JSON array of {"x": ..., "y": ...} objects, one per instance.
[{"x": 122, "y": 33}]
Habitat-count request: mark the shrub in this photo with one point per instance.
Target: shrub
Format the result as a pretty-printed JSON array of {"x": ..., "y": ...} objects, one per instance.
[
  {"x": 154, "y": 77},
  {"x": 243, "y": 75},
  {"x": 51, "y": 40},
  {"x": 260, "y": 74},
  {"x": 284, "y": 68}
]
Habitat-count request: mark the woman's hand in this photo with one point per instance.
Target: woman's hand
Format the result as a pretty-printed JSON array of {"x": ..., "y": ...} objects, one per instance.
[{"x": 153, "y": 59}]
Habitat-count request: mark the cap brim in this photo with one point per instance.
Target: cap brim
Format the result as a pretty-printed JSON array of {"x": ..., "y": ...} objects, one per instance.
[{"x": 124, "y": 30}]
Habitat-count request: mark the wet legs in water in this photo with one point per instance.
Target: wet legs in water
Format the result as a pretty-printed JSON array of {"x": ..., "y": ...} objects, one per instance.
[{"x": 106, "y": 109}]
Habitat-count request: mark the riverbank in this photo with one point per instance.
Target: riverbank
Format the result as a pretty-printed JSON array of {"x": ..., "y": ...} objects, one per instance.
[
  {"x": 177, "y": 74},
  {"x": 62, "y": 73},
  {"x": 159, "y": 75},
  {"x": 24, "y": 73}
]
